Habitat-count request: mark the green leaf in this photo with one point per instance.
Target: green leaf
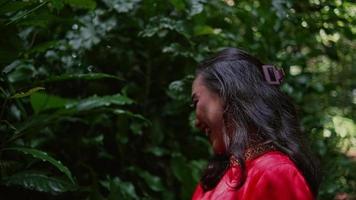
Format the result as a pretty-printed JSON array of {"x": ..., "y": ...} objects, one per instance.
[
  {"x": 178, "y": 4},
  {"x": 13, "y": 6},
  {"x": 95, "y": 102},
  {"x": 42, "y": 19},
  {"x": 44, "y": 157},
  {"x": 133, "y": 115},
  {"x": 119, "y": 189},
  {"x": 179, "y": 90},
  {"x": 153, "y": 182},
  {"x": 180, "y": 168},
  {"x": 20, "y": 71},
  {"x": 91, "y": 76},
  {"x": 203, "y": 30},
  {"x": 57, "y": 4},
  {"x": 160, "y": 26},
  {"x": 183, "y": 171},
  {"x": 39, "y": 182},
  {"x": 157, "y": 151},
  {"x": 41, "y": 48},
  {"x": 28, "y": 93},
  {"x": 21, "y": 15},
  {"x": 41, "y": 101},
  {"x": 85, "y": 4}
]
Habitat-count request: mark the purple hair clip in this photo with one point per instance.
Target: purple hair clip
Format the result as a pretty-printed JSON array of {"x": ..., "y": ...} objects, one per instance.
[{"x": 272, "y": 75}]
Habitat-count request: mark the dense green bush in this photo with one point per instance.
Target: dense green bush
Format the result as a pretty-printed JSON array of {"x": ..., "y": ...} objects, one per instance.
[{"x": 95, "y": 94}]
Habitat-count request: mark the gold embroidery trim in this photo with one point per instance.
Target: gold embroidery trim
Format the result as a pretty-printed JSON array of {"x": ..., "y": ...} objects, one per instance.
[{"x": 253, "y": 152}]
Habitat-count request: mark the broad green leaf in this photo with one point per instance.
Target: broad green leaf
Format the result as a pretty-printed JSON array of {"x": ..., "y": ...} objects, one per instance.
[
  {"x": 136, "y": 128},
  {"x": 85, "y": 4},
  {"x": 178, "y": 4},
  {"x": 184, "y": 172},
  {"x": 43, "y": 47},
  {"x": 153, "y": 182},
  {"x": 44, "y": 157},
  {"x": 41, "y": 101},
  {"x": 20, "y": 71},
  {"x": 39, "y": 182},
  {"x": 157, "y": 151},
  {"x": 13, "y": 6},
  {"x": 197, "y": 167},
  {"x": 203, "y": 30},
  {"x": 96, "y": 102},
  {"x": 180, "y": 168},
  {"x": 91, "y": 76},
  {"x": 40, "y": 19},
  {"x": 119, "y": 189},
  {"x": 28, "y": 93},
  {"x": 179, "y": 90},
  {"x": 126, "y": 112},
  {"x": 57, "y": 4}
]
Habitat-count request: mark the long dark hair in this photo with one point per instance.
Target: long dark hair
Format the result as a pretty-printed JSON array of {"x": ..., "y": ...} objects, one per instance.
[{"x": 253, "y": 105}]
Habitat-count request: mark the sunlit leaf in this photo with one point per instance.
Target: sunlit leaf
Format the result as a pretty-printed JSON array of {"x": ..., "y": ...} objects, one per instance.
[{"x": 203, "y": 30}]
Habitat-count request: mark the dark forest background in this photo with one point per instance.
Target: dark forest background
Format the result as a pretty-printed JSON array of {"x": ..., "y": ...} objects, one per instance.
[{"x": 95, "y": 94}]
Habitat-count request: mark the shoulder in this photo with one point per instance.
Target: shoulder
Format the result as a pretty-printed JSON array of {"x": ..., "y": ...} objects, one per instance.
[
  {"x": 275, "y": 167},
  {"x": 271, "y": 160},
  {"x": 275, "y": 175}
]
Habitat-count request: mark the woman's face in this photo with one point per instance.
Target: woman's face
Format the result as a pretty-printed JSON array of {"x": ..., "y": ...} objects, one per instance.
[{"x": 209, "y": 114}]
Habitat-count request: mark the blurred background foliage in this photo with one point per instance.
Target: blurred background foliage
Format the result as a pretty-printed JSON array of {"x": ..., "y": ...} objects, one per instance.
[{"x": 95, "y": 94}]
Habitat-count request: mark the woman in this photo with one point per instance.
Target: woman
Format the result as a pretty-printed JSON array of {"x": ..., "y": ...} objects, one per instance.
[{"x": 258, "y": 146}]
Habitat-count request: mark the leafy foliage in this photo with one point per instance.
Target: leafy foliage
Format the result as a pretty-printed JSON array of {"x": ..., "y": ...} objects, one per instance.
[{"x": 104, "y": 87}]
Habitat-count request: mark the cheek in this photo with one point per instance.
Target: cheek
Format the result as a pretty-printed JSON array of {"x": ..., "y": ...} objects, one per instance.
[
  {"x": 201, "y": 109},
  {"x": 215, "y": 114}
]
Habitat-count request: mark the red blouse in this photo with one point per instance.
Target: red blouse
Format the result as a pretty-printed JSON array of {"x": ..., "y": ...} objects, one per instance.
[{"x": 271, "y": 176}]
